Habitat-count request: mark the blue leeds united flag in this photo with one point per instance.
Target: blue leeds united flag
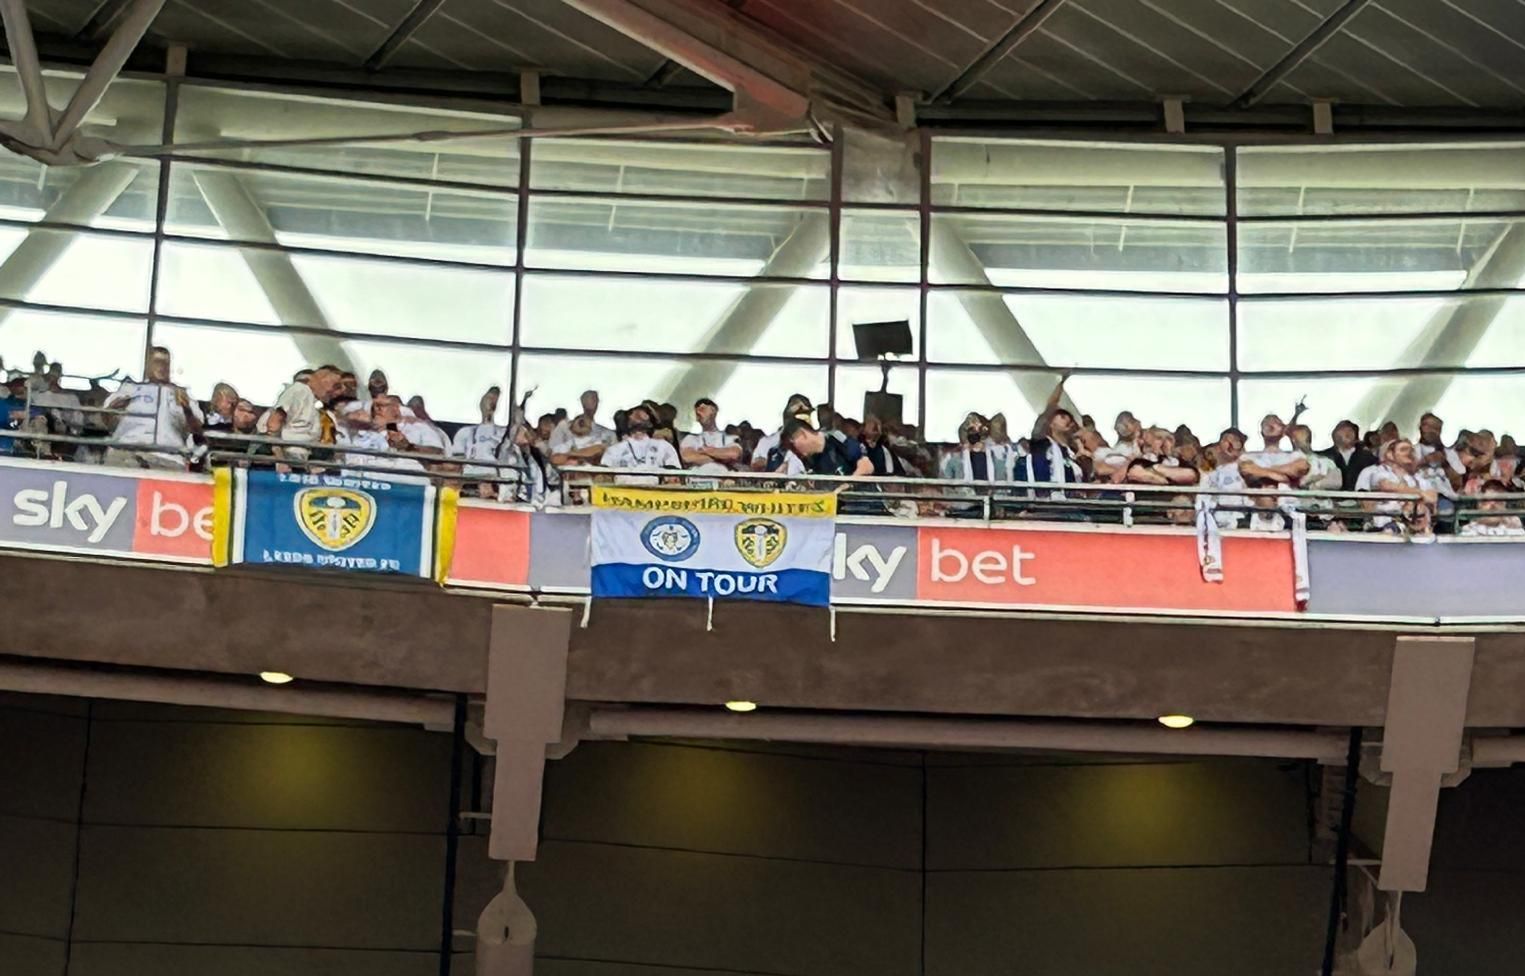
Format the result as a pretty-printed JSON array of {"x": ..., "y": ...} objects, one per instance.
[
  {"x": 324, "y": 521},
  {"x": 772, "y": 546}
]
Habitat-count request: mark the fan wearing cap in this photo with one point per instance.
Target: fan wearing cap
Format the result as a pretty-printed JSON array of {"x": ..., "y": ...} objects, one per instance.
[
  {"x": 640, "y": 450},
  {"x": 823, "y": 454},
  {"x": 709, "y": 449},
  {"x": 772, "y": 452}
]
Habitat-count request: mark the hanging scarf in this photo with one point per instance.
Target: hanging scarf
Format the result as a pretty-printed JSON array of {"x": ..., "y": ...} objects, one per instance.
[{"x": 1209, "y": 540}]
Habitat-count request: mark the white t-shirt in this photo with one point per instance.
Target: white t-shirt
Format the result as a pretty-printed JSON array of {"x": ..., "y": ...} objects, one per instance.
[
  {"x": 1371, "y": 480},
  {"x": 1453, "y": 459},
  {"x": 792, "y": 463},
  {"x": 1323, "y": 474},
  {"x": 417, "y": 432},
  {"x": 1226, "y": 477},
  {"x": 708, "y": 438},
  {"x": 153, "y": 415},
  {"x": 577, "y": 442},
  {"x": 1510, "y": 526},
  {"x": 647, "y": 453},
  {"x": 479, "y": 442},
  {"x": 563, "y": 441},
  {"x": 303, "y": 413},
  {"x": 1274, "y": 458}
]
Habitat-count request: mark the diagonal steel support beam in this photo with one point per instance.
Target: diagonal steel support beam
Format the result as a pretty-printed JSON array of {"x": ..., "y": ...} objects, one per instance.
[
  {"x": 402, "y": 33},
  {"x": 23, "y": 46},
  {"x": 91, "y": 194},
  {"x": 1025, "y": 26},
  {"x": 954, "y": 260},
  {"x": 102, "y": 19},
  {"x": 1450, "y": 337},
  {"x": 745, "y": 322},
  {"x": 294, "y": 303},
  {"x": 108, "y": 64},
  {"x": 1304, "y": 50},
  {"x": 678, "y": 42}
]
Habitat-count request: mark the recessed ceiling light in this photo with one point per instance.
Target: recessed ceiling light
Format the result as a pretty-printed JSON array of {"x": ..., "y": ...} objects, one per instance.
[
  {"x": 741, "y": 706},
  {"x": 1177, "y": 721},
  {"x": 275, "y": 677}
]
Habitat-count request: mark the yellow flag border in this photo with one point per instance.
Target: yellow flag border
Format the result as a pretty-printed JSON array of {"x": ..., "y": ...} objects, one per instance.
[{"x": 742, "y": 504}]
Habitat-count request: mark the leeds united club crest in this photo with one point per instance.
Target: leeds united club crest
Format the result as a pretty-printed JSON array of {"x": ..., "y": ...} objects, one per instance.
[
  {"x": 760, "y": 541},
  {"x": 335, "y": 518},
  {"x": 670, "y": 538}
]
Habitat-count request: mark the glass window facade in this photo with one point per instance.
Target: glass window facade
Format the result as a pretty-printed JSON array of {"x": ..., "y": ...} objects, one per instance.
[{"x": 1197, "y": 284}]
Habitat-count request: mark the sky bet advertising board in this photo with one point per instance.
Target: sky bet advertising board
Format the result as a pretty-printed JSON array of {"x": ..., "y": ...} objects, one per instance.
[
  {"x": 321, "y": 521},
  {"x": 774, "y": 547}
]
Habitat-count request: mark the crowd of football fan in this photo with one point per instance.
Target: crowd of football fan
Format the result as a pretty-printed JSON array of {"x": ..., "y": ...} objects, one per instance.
[{"x": 323, "y": 417}]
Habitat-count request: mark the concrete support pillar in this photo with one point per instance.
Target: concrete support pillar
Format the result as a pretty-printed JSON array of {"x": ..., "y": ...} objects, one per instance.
[
  {"x": 526, "y": 702},
  {"x": 294, "y": 303},
  {"x": 749, "y": 317},
  {"x": 1421, "y": 745}
]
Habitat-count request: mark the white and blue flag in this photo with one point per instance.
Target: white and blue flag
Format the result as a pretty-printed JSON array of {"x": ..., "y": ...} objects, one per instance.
[{"x": 771, "y": 546}]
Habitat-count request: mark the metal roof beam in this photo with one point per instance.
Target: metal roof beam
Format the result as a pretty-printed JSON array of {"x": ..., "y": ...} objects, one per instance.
[
  {"x": 766, "y": 72},
  {"x": 402, "y": 33},
  {"x": 1304, "y": 50},
  {"x": 1025, "y": 26},
  {"x": 101, "y": 20}
]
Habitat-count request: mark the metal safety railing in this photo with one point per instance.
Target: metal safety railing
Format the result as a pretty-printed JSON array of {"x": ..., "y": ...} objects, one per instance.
[
  {"x": 991, "y": 501},
  {"x": 514, "y": 481}
]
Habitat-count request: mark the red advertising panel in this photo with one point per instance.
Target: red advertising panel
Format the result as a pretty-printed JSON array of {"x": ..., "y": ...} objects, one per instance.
[
  {"x": 1123, "y": 570},
  {"x": 492, "y": 546},
  {"x": 174, "y": 519}
]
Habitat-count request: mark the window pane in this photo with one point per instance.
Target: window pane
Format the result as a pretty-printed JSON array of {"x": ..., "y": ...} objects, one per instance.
[
  {"x": 1408, "y": 255},
  {"x": 1077, "y": 176},
  {"x": 865, "y": 305},
  {"x": 743, "y": 390},
  {"x": 1382, "y": 333},
  {"x": 855, "y": 381},
  {"x": 1491, "y": 402},
  {"x": 342, "y": 215},
  {"x": 1329, "y": 399},
  {"x": 351, "y": 294},
  {"x": 1061, "y": 253},
  {"x": 1381, "y": 179},
  {"x": 120, "y": 193},
  {"x": 86, "y": 345},
  {"x": 686, "y": 238},
  {"x": 261, "y": 363},
  {"x": 1202, "y": 404},
  {"x": 880, "y": 246},
  {"x": 258, "y": 364},
  {"x": 656, "y": 315},
  {"x": 207, "y": 114},
  {"x": 55, "y": 267},
  {"x": 685, "y": 169},
  {"x": 1078, "y": 330}
]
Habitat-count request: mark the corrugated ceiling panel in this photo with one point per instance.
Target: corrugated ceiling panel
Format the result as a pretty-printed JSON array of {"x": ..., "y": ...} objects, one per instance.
[
  {"x": 508, "y": 35},
  {"x": 60, "y": 16},
  {"x": 852, "y": 37},
  {"x": 1216, "y": 69},
  {"x": 1492, "y": 64}
]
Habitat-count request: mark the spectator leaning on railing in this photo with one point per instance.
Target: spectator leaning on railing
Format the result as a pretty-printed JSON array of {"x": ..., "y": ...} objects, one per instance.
[
  {"x": 298, "y": 415},
  {"x": 1397, "y": 475},
  {"x": 158, "y": 413}
]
